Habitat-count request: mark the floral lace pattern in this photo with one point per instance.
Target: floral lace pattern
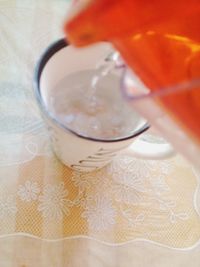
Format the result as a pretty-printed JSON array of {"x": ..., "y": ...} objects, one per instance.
[
  {"x": 7, "y": 207},
  {"x": 53, "y": 202},
  {"x": 99, "y": 213},
  {"x": 131, "y": 198},
  {"x": 29, "y": 191}
]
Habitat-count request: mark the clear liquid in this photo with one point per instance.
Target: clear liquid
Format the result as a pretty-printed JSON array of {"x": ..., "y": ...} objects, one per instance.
[
  {"x": 92, "y": 106},
  {"x": 103, "y": 69}
]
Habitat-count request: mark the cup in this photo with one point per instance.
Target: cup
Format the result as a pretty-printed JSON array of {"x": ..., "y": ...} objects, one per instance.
[{"x": 78, "y": 151}]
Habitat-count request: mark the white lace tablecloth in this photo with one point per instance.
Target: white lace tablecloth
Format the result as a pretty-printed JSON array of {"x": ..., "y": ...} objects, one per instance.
[{"x": 131, "y": 213}]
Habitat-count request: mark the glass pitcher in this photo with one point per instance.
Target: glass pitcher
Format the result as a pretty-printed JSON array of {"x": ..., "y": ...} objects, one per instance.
[{"x": 160, "y": 42}]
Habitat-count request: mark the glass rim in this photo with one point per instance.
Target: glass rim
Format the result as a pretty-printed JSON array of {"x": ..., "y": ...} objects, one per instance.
[{"x": 45, "y": 57}]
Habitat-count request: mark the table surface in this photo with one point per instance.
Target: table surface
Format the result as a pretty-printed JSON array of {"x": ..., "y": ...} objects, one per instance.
[{"x": 130, "y": 213}]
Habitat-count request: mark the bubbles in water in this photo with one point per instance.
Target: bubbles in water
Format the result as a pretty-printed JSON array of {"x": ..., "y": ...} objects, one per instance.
[{"x": 89, "y": 103}]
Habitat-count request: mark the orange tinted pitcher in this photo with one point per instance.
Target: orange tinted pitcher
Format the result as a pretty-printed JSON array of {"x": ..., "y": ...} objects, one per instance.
[{"x": 160, "y": 42}]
